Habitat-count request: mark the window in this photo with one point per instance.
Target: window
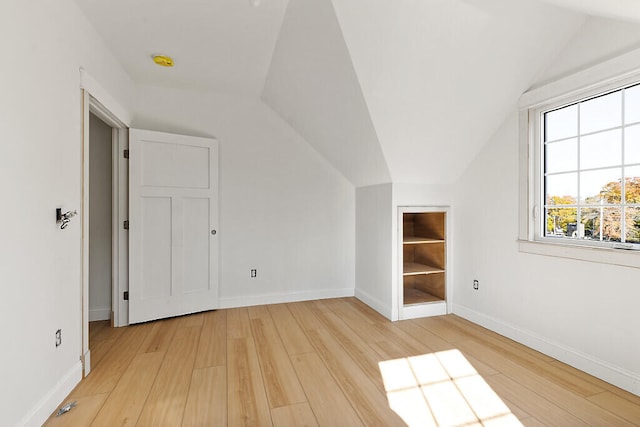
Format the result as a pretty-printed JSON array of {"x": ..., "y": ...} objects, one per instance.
[
  {"x": 579, "y": 165},
  {"x": 590, "y": 178}
]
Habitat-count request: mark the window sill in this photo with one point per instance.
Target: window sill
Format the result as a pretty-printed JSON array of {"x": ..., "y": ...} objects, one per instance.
[{"x": 622, "y": 257}]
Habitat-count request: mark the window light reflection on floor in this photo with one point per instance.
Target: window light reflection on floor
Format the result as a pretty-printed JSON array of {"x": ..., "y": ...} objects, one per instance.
[{"x": 442, "y": 389}]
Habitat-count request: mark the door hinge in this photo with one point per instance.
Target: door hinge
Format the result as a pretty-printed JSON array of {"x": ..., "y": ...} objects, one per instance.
[
  {"x": 125, "y": 225},
  {"x": 125, "y": 296},
  {"x": 126, "y": 154}
]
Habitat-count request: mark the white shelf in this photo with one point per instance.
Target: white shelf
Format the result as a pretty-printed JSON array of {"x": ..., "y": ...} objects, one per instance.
[
  {"x": 413, "y": 269},
  {"x": 410, "y": 240},
  {"x": 416, "y": 296}
]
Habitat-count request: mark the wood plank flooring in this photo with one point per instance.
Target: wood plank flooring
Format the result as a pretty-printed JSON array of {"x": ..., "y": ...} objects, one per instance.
[{"x": 331, "y": 363}]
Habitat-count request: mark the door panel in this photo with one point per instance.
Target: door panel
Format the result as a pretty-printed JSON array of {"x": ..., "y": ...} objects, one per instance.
[
  {"x": 163, "y": 165},
  {"x": 155, "y": 238},
  {"x": 173, "y": 209},
  {"x": 196, "y": 243}
]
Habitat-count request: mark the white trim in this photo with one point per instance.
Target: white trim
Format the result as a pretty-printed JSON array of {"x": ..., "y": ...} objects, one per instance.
[
  {"x": 50, "y": 401},
  {"x": 84, "y": 218},
  {"x": 103, "y": 113},
  {"x": 583, "y": 253},
  {"x": 616, "y": 71},
  {"x": 376, "y": 304},
  {"x": 101, "y": 106},
  {"x": 115, "y": 228},
  {"x": 396, "y": 290},
  {"x": 121, "y": 236},
  {"x": 526, "y": 195},
  {"x": 86, "y": 363},
  {"x": 617, "y": 376},
  {"x": 103, "y": 313},
  {"x": 417, "y": 311},
  {"x": 234, "y": 302},
  {"x": 88, "y": 83}
]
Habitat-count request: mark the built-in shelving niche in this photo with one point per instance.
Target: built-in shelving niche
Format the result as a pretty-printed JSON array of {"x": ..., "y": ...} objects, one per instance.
[{"x": 424, "y": 262}]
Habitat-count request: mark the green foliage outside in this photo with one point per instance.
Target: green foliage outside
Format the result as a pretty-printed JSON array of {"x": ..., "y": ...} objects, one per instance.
[
  {"x": 561, "y": 217},
  {"x": 562, "y": 220}
]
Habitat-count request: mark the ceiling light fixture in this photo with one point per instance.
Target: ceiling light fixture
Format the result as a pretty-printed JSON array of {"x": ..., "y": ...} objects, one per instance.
[
  {"x": 255, "y": 3},
  {"x": 163, "y": 60}
]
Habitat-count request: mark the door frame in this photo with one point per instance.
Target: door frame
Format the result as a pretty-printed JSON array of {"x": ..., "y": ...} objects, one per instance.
[{"x": 119, "y": 240}]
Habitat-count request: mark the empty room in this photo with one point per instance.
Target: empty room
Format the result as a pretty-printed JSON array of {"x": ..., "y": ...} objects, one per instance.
[{"x": 320, "y": 212}]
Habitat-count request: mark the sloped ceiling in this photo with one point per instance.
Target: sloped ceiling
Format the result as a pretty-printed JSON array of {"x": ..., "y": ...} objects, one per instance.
[
  {"x": 440, "y": 76},
  {"x": 599, "y": 38},
  {"x": 625, "y": 10},
  {"x": 313, "y": 85},
  {"x": 386, "y": 90},
  {"x": 220, "y": 45}
]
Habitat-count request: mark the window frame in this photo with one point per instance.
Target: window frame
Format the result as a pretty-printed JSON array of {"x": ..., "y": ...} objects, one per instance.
[{"x": 605, "y": 77}]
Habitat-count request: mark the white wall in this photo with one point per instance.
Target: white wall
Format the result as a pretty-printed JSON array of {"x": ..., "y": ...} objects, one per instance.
[
  {"x": 283, "y": 209},
  {"x": 99, "y": 219},
  {"x": 580, "y": 312},
  {"x": 40, "y": 169},
  {"x": 585, "y": 314},
  {"x": 374, "y": 246},
  {"x": 377, "y": 239}
]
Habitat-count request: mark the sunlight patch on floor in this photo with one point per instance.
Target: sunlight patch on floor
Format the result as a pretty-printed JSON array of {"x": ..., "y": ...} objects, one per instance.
[{"x": 442, "y": 389}]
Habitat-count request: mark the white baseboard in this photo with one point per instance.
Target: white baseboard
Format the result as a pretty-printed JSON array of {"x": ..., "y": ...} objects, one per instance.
[
  {"x": 423, "y": 310},
  {"x": 376, "y": 304},
  {"x": 41, "y": 411},
  {"x": 103, "y": 313},
  {"x": 619, "y": 377},
  {"x": 86, "y": 363},
  {"x": 234, "y": 302}
]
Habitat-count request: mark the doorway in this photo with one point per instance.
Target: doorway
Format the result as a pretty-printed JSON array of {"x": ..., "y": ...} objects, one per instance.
[
  {"x": 104, "y": 208},
  {"x": 100, "y": 221}
]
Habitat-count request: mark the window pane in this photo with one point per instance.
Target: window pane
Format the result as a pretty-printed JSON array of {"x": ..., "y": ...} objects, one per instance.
[
  {"x": 632, "y": 185},
  {"x": 601, "y": 113},
  {"x": 632, "y": 144},
  {"x": 590, "y": 219},
  {"x": 561, "y": 189},
  {"x": 632, "y": 104},
  {"x": 560, "y": 221},
  {"x": 601, "y": 185},
  {"x": 562, "y": 123},
  {"x": 561, "y": 156},
  {"x": 600, "y": 150},
  {"x": 602, "y": 224},
  {"x": 611, "y": 224},
  {"x": 632, "y": 217}
]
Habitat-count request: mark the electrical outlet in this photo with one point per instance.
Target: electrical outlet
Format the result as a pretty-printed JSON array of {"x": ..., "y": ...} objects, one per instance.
[
  {"x": 58, "y": 337},
  {"x": 254, "y": 273},
  {"x": 476, "y": 285}
]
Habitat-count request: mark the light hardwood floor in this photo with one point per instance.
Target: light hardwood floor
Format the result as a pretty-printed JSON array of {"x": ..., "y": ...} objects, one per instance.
[{"x": 330, "y": 363}]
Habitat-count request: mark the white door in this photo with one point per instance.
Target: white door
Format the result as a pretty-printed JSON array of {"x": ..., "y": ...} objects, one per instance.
[{"x": 173, "y": 209}]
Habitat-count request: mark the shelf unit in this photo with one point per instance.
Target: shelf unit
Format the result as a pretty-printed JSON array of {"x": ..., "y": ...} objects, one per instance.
[{"x": 424, "y": 261}]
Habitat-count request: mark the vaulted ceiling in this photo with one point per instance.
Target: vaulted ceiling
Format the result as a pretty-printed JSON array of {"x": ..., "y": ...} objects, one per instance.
[
  {"x": 220, "y": 45},
  {"x": 385, "y": 90}
]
